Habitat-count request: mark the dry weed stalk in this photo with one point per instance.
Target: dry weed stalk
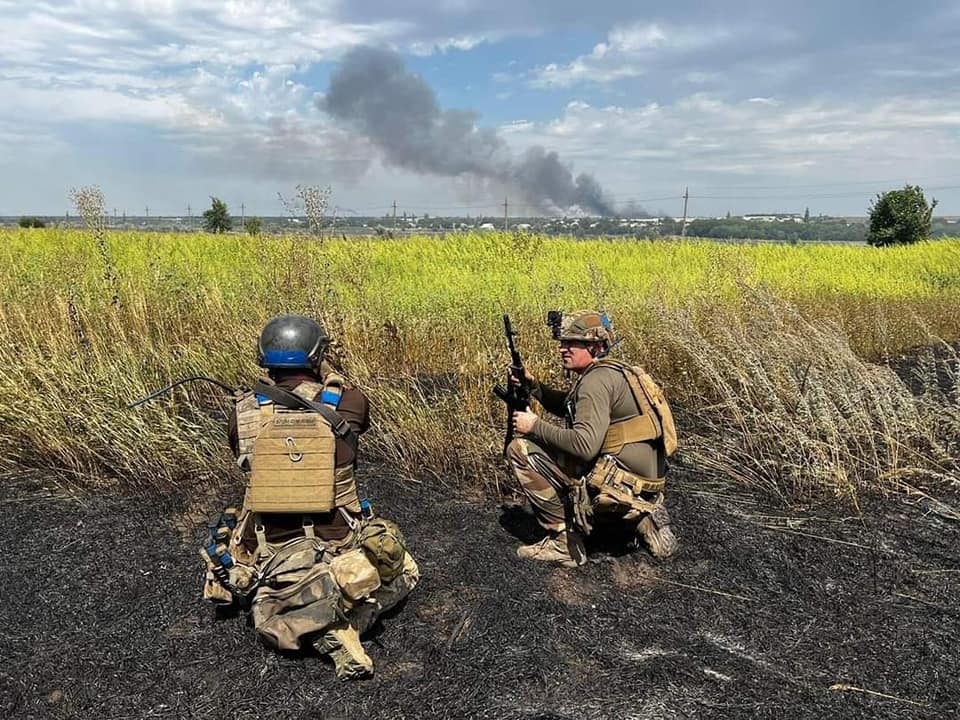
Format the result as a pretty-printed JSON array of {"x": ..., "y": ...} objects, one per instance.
[
  {"x": 310, "y": 201},
  {"x": 90, "y": 205},
  {"x": 782, "y": 403}
]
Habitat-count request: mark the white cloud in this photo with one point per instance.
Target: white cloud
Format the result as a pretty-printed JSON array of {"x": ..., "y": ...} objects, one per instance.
[
  {"x": 198, "y": 71},
  {"x": 442, "y": 45},
  {"x": 628, "y": 52},
  {"x": 218, "y": 79},
  {"x": 652, "y": 148}
]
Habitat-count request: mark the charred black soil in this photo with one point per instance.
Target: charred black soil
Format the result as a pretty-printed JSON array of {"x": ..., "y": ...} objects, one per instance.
[{"x": 763, "y": 614}]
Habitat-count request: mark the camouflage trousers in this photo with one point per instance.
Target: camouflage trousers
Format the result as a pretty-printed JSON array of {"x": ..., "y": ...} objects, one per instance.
[
  {"x": 342, "y": 640},
  {"x": 387, "y": 595},
  {"x": 545, "y": 478}
]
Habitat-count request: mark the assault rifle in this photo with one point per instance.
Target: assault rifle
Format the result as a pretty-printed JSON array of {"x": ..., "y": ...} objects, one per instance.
[{"x": 516, "y": 395}]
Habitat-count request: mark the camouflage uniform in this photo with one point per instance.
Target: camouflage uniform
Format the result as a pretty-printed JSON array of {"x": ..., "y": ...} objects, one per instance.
[
  {"x": 314, "y": 568},
  {"x": 552, "y": 461}
]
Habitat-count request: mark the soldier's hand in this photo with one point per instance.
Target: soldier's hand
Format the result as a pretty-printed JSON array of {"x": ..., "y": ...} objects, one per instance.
[
  {"x": 514, "y": 380},
  {"x": 523, "y": 421}
]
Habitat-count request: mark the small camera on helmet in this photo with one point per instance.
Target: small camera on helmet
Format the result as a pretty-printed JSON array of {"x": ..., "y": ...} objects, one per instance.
[{"x": 554, "y": 321}]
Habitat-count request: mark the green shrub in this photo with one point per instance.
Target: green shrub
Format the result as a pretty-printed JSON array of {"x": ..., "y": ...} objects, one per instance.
[{"x": 900, "y": 217}]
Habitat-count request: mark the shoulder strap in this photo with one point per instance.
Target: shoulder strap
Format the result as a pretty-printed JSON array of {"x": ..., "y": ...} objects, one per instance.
[
  {"x": 611, "y": 362},
  {"x": 341, "y": 428}
]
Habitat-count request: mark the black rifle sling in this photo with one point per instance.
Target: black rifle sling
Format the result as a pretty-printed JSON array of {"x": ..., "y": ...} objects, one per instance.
[{"x": 341, "y": 428}]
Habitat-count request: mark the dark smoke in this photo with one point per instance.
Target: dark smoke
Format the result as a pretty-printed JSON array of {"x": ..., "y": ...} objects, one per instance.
[{"x": 372, "y": 92}]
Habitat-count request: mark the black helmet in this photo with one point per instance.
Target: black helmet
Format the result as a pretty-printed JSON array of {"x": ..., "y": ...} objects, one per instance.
[{"x": 291, "y": 341}]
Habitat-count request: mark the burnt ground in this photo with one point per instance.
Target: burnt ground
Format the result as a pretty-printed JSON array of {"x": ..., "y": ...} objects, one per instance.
[{"x": 763, "y": 614}]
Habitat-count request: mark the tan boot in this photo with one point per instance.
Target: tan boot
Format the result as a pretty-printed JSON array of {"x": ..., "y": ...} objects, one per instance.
[
  {"x": 350, "y": 660},
  {"x": 655, "y": 530},
  {"x": 561, "y": 548}
]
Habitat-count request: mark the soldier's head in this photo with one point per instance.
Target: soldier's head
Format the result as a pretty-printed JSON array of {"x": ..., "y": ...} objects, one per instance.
[
  {"x": 289, "y": 343},
  {"x": 583, "y": 335}
]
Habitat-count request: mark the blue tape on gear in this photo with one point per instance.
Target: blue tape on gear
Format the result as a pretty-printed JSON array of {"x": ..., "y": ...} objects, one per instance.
[
  {"x": 263, "y": 399},
  {"x": 286, "y": 358},
  {"x": 226, "y": 560},
  {"x": 330, "y": 397}
]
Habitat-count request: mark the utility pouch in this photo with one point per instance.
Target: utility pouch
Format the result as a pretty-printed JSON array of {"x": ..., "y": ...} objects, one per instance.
[
  {"x": 227, "y": 579},
  {"x": 618, "y": 488},
  {"x": 384, "y": 545},
  {"x": 581, "y": 507},
  {"x": 355, "y": 574},
  {"x": 285, "y": 616}
]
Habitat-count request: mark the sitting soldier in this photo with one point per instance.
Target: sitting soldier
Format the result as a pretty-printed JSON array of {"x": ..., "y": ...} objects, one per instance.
[
  {"x": 610, "y": 457},
  {"x": 305, "y": 552}
]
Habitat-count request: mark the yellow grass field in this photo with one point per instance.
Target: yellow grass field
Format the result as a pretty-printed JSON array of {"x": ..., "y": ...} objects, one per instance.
[{"x": 768, "y": 351}]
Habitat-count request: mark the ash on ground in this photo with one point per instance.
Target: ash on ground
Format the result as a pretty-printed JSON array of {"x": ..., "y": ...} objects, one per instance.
[{"x": 763, "y": 614}]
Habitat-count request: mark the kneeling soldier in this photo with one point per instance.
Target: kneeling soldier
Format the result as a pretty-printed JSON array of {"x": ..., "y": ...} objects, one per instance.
[
  {"x": 610, "y": 457},
  {"x": 305, "y": 553}
]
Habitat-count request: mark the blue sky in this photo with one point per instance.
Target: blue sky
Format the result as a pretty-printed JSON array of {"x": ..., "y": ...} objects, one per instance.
[{"x": 756, "y": 106}]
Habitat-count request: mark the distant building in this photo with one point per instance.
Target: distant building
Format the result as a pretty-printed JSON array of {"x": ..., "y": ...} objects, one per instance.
[
  {"x": 775, "y": 217},
  {"x": 640, "y": 222}
]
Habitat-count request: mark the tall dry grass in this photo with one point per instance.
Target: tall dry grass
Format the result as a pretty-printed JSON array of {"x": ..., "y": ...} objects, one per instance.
[{"x": 768, "y": 351}]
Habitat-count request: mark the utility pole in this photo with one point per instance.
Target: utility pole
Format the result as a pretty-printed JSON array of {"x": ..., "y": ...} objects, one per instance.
[
  {"x": 243, "y": 210},
  {"x": 394, "y": 214},
  {"x": 686, "y": 197},
  {"x": 505, "y": 214},
  {"x": 147, "y": 210},
  {"x": 189, "y": 211}
]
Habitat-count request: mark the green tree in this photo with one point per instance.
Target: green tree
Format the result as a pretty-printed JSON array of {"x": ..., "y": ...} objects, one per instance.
[
  {"x": 254, "y": 226},
  {"x": 31, "y": 222},
  {"x": 806, "y": 215},
  {"x": 900, "y": 217},
  {"x": 217, "y": 218}
]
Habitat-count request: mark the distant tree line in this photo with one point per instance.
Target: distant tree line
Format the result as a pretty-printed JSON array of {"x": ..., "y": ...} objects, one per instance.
[{"x": 819, "y": 230}]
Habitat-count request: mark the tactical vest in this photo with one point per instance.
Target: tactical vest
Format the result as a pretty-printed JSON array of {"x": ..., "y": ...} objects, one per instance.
[
  {"x": 291, "y": 454},
  {"x": 655, "y": 421}
]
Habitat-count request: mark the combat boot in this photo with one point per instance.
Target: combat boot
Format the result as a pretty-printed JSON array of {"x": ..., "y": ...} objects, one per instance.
[
  {"x": 563, "y": 548},
  {"x": 342, "y": 643},
  {"x": 655, "y": 530}
]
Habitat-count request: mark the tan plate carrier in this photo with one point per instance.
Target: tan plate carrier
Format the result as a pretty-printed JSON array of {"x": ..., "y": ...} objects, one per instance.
[{"x": 655, "y": 419}]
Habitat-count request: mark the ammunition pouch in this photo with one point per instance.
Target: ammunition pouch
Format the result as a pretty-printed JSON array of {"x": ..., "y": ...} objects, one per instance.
[
  {"x": 581, "y": 507},
  {"x": 383, "y": 543},
  {"x": 228, "y": 579},
  {"x": 620, "y": 490}
]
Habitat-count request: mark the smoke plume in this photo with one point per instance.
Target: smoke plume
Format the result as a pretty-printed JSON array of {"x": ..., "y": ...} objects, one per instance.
[{"x": 373, "y": 93}]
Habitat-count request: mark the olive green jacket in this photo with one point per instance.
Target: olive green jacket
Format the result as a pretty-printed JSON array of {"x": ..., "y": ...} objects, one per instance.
[{"x": 600, "y": 396}]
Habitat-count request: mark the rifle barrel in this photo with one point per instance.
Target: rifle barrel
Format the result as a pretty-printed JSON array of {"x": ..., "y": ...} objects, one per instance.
[{"x": 171, "y": 386}]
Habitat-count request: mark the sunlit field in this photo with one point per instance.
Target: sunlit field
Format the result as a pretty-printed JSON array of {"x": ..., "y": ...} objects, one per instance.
[{"x": 773, "y": 354}]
